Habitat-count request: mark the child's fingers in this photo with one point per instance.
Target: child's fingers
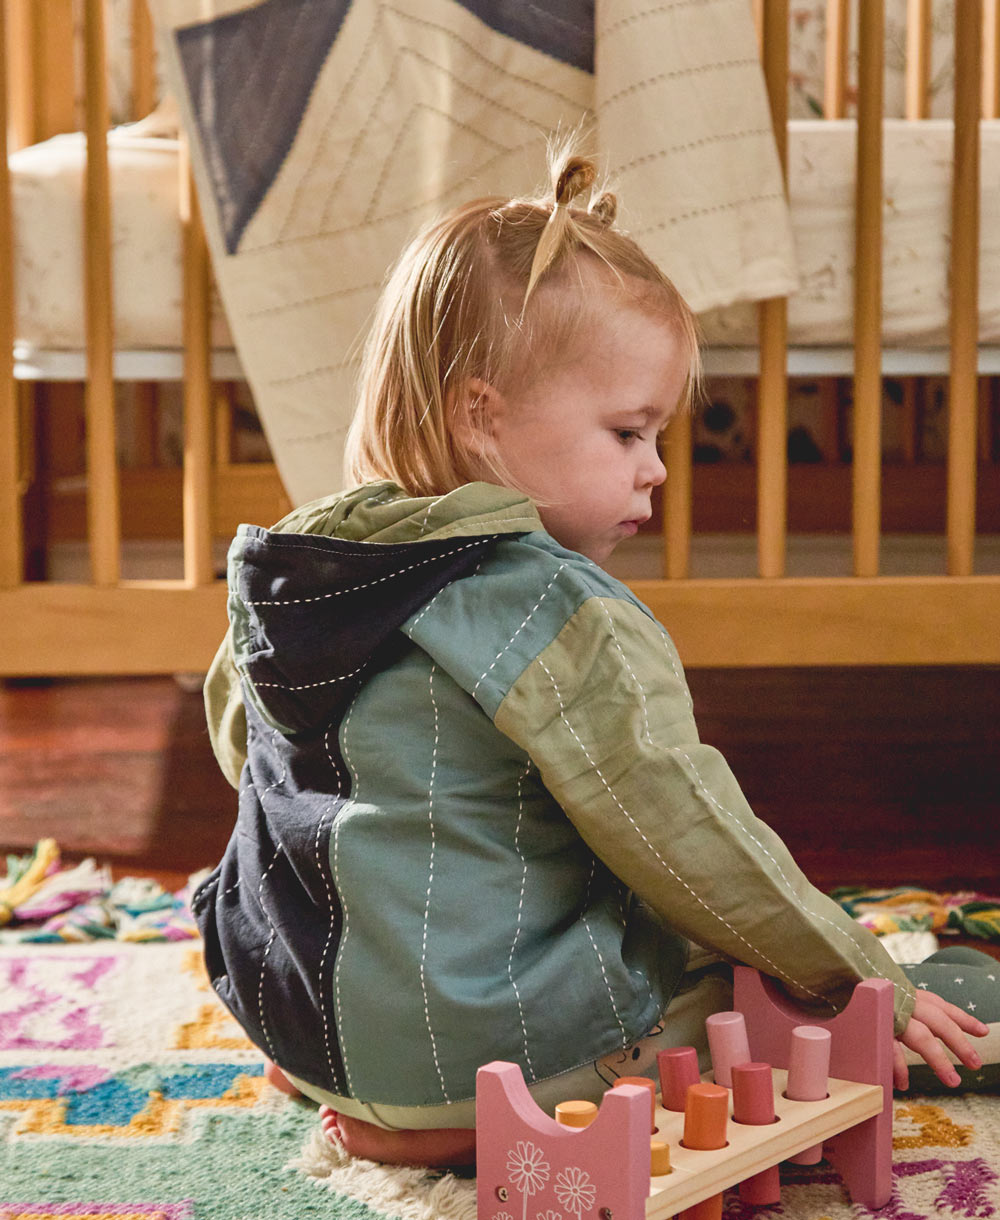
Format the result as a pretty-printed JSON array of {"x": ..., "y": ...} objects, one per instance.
[
  {"x": 900, "y": 1072},
  {"x": 929, "y": 1001},
  {"x": 950, "y": 1024},
  {"x": 919, "y": 1038}
]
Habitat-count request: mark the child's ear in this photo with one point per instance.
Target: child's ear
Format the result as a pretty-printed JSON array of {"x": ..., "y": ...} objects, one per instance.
[{"x": 473, "y": 408}]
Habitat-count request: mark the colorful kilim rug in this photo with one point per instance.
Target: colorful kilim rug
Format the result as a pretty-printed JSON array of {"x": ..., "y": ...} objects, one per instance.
[{"x": 127, "y": 1093}]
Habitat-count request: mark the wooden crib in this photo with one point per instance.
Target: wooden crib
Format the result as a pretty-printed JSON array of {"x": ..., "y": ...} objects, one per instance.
[{"x": 108, "y": 624}]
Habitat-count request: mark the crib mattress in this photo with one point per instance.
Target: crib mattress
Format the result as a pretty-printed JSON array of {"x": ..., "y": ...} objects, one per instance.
[
  {"x": 916, "y": 236},
  {"x": 47, "y": 189}
]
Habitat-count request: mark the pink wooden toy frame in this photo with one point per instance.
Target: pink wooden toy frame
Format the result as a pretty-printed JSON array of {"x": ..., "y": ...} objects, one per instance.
[{"x": 531, "y": 1168}]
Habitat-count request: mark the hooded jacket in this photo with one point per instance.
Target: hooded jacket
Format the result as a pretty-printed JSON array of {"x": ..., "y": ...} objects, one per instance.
[{"x": 475, "y": 818}]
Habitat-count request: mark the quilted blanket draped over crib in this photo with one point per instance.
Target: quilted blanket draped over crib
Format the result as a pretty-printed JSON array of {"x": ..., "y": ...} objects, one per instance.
[{"x": 323, "y": 132}]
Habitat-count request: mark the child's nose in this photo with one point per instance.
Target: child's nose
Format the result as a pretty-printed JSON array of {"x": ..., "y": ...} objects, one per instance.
[{"x": 654, "y": 472}]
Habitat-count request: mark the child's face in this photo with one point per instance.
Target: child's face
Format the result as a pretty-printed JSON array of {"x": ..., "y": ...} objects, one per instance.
[{"x": 582, "y": 437}]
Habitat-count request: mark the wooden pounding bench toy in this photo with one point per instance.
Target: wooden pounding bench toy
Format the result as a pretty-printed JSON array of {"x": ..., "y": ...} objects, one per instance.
[{"x": 775, "y": 1096}]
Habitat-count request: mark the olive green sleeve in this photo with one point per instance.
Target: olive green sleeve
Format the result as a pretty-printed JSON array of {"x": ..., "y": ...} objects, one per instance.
[
  {"x": 605, "y": 713},
  {"x": 225, "y": 713}
]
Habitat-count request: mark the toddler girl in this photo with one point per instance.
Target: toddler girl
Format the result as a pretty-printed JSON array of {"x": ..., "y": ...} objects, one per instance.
[{"x": 475, "y": 818}]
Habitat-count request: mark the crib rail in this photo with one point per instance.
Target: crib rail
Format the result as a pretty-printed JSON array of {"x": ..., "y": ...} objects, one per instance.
[{"x": 111, "y": 625}]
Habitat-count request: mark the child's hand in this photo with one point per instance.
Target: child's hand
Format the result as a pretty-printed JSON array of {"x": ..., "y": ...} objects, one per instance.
[{"x": 936, "y": 1024}]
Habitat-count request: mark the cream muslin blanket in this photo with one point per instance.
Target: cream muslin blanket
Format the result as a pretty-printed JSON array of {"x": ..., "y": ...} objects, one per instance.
[{"x": 324, "y": 132}]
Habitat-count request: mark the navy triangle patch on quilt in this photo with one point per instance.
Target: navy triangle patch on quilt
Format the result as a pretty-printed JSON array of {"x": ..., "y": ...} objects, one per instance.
[{"x": 323, "y": 133}]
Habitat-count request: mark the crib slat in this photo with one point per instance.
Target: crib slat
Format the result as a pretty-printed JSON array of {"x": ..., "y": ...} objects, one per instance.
[
  {"x": 991, "y": 59},
  {"x": 867, "y": 461},
  {"x": 197, "y": 389},
  {"x": 772, "y": 385},
  {"x": 11, "y": 530},
  {"x": 963, "y": 397},
  {"x": 143, "y": 61},
  {"x": 677, "y": 498},
  {"x": 835, "y": 70},
  {"x": 918, "y": 58},
  {"x": 102, "y": 470}
]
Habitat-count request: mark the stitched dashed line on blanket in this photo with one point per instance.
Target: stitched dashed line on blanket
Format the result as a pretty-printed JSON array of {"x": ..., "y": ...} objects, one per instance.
[
  {"x": 470, "y": 53},
  {"x": 722, "y": 138},
  {"x": 391, "y": 159},
  {"x": 270, "y": 310},
  {"x": 655, "y": 11},
  {"x": 319, "y": 371},
  {"x": 299, "y": 601},
  {"x": 719, "y": 207},
  {"x": 678, "y": 74},
  {"x": 458, "y": 85}
]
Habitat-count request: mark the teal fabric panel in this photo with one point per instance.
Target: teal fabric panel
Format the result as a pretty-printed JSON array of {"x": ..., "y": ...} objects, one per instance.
[
  {"x": 449, "y": 819},
  {"x": 487, "y": 630}
]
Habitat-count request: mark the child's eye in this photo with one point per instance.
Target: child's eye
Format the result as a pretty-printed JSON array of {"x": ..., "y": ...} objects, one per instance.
[{"x": 626, "y": 434}]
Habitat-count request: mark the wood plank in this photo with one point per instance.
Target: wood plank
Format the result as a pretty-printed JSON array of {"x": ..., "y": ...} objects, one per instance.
[
  {"x": 134, "y": 628},
  {"x": 103, "y": 519},
  {"x": 11, "y": 535},
  {"x": 964, "y": 287},
  {"x": 165, "y": 627},
  {"x": 151, "y": 502},
  {"x": 812, "y": 621},
  {"x": 867, "y": 449}
]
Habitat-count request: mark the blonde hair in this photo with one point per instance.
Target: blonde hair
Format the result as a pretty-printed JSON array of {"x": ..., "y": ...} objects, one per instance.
[{"x": 482, "y": 293}]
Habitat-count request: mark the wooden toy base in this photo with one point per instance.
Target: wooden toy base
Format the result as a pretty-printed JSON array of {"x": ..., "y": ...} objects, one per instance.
[
  {"x": 529, "y": 1166},
  {"x": 698, "y": 1175}
]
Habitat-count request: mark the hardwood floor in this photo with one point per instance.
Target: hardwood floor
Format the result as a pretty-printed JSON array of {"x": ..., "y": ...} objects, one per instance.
[{"x": 872, "y": 777}]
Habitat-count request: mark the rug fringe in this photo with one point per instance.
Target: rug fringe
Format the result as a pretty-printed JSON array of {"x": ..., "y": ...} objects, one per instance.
[{"x": 410, "y": 1194}]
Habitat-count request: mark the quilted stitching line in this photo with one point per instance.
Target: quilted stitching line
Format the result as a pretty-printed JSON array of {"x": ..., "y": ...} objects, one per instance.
[
  {"x": 527, "y": 618},
  {"x": 320, "y": 990},
  {"x": 301, "y": 601},
  {"x": 430, "y": 884},
  {"x": 713, "y": 800},
  {"x": 678, "y": 74},
  {"x": 345, "y": 914},
  {"x": 520, "y": 909},
  {"x": 656, "y": 10},
  {"x": 719, "y": 207},
  {"x": 660, "y": 860}
]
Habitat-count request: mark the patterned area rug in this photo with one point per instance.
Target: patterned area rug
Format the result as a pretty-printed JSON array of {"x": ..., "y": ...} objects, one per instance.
[{"x": 127, "y": 1093}]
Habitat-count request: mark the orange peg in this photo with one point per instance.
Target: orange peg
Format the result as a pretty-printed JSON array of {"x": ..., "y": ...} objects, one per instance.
[
  {"x": 659, "y": 1158},
  {"x": 644, "y": 1083},
  {"x": 705, "y": 1115},
  {"x": 575, "y": 1113}
]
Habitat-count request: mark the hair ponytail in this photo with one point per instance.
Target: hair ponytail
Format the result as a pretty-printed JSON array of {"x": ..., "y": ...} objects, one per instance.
[{"x": 571, "y": 177}]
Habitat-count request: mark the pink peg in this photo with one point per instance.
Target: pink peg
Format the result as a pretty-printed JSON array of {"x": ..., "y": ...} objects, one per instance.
[
  {"x": 808, "y": 1070},
  {"x": 678, "y": 1068},
  {"x": 727, "y": 1041},
  {"x": 753, "y": 1103}
]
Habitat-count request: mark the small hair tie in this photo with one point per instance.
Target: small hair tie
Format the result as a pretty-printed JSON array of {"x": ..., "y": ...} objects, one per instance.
[{"x": 576, "y": 176}]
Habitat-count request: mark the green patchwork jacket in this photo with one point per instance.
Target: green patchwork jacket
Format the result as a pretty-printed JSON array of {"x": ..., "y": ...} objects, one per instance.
[{"x": 475, "y": 818}]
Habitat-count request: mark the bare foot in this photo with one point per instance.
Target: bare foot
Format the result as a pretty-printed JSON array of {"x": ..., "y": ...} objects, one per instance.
[
  {"x": 436, "y": 1148},
  {"x": 277, "y": 1077}
]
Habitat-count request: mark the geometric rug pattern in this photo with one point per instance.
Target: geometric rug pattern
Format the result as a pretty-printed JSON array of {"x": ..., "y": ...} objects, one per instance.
[{"x": 128, "y": 1093}]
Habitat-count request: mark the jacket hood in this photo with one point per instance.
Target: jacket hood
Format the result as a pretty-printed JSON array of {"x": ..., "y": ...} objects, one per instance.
[{"x": 315, "y": 603}]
